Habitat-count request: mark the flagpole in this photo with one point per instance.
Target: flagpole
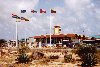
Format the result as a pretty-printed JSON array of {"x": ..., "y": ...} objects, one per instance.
[
  {"x": 25, "y": 39},
  {"x": 50, "y": 29},
  {"x": 16, "y": 34}
]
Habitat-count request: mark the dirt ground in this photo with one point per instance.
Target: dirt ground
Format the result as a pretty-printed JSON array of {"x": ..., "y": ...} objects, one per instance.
[{"x": 8, "y": 59}]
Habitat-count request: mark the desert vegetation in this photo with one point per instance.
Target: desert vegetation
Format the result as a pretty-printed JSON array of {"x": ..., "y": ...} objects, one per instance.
[{"x": 88, "y": 56}]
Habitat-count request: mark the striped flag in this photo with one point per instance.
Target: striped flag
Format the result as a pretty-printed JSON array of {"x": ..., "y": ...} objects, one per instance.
[
  {"x": 22, "y": 18},
  {"x": 18, "y": 19},
  {"x": 23, "y": 11},
  {"x": 26, "y": 19},
  {"x": 33, "y": 11},
  {"x": 15, "y": 16},
  {"x": 53, "y": 11},
  {"x": 42, "y": 11}
]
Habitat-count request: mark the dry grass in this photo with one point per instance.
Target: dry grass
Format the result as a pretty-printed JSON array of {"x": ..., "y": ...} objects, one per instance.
[
  {"x": 45, "y": 62},
  {"x": 98, "y": 56}
]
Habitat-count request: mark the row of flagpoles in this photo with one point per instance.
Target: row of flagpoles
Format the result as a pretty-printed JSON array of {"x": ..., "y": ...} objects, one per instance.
[
  {"x": 41, "y": 11},
  {"x": 25, "y": 19}
]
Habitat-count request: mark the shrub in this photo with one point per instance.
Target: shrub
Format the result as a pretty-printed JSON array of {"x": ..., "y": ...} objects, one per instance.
[
  {"x": 53, "y": 57},
  {"x": 37, "y": 55},
  {"x": 23, "y": 58},
  {"x": 24, "y": 49},
  {"x": 87, "y": 53},
  {"x": 68, "y": 58}
]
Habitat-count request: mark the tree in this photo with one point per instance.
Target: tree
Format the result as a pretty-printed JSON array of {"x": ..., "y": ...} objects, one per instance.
[
  {"x": 79, "y": 37},
  {"x": 76, "y": 35},
  {"x": 2, "y": 42},
  {"x": 83, "y": 37},
  {"x": 93, "y": 38},
  {"x": 22, "y": 40}
]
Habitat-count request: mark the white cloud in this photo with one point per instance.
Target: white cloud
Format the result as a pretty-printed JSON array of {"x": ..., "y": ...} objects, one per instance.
[
  {"x": 77, "y": 4},
  {"x": 60, "y": 10},
  {"x": 81, "y": 15},
  {"x": 13, "y": 6},
  {"x": 74, "y": 17}
]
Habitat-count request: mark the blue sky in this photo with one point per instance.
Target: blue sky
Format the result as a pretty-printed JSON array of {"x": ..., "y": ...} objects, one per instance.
[{"x": 73, "y": 16}]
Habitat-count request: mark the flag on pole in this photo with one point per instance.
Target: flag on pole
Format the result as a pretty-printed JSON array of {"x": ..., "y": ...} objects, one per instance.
[
  {"x": 15, "y": 16},
  {"x": 42, "y": 11},
  {"x": 22, "y": 18},
  {"x": 23, "y": 11},
  {"x": 53, "y": 11},
  {"x": 33, "y": 11},
  {"x": 18, "y": 17},
  {"x": 26, "y": 19}
]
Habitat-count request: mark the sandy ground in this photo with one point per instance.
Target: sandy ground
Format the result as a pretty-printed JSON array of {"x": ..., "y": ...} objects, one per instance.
[{"x": 8, "y": 59}]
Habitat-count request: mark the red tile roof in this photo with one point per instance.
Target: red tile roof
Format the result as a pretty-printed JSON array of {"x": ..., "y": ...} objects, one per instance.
[
  {"x": 42, "y": 36},
  {"x": 70, "y": 35},
  {"x": 48, "y": 36},
  {"x": 57, "y": 26},
  {"x": 35, "y": 37}
]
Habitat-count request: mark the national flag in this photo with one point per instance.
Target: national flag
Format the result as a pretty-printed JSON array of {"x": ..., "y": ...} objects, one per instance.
[
  {"x": 18, "y": 17},
  {"x": 42, "y": 11},
  {"x": 22, "y": 18},
  {"x": 23, "y": 11},
  {"x": 33, "y": 11},
  {"x": 53, "y": 11},
  {"x": 15, "y": 16},
  {"x": 26, "y": 19}
]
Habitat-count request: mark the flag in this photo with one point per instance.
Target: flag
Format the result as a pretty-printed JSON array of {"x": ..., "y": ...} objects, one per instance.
[
  {"x": 15, "y": 16},
  {"x": 22, "y": 18},
  {"x": 53, "y": 11},
  {"x": 42, "y": 11},
  {"x": 26, "y": 19},
  {"x": 33, "y": 11},
  {"x": 23, "y": 11},
  {"x": 18, "y": 18}
]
